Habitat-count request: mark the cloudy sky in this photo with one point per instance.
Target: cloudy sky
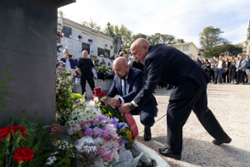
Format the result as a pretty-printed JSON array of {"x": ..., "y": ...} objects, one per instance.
[{"x": 181, "y": 18}]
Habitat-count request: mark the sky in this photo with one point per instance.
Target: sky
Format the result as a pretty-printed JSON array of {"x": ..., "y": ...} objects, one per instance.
[{"x": 181, "y": 18}]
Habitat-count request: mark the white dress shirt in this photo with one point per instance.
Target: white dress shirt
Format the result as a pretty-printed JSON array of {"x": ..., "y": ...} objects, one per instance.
[{"x": 123, "y": 83}]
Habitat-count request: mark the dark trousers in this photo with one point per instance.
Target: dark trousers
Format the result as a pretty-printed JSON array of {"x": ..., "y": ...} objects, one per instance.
[
  {"x": 179, "y": 111},
  {"x": 212, "y": 75},
  {"x": 90, "y": 81},
  {"x": 218, "y": 71},
  {"x": 146, "y": 118},
  {"x": 240, "y": 74},
  {"x": 226, "y": 75}
]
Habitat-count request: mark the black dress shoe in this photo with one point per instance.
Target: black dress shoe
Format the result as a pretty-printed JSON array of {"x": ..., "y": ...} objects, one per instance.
[
  {"x": 147, "y": 134},
  {"x": 219, "y": 142},
  {"x": 168, "y": 153}
]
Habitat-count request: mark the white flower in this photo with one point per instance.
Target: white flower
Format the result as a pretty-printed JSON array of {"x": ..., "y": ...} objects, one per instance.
[
  {"x": 71, "y": 122},
  {"x": 62, "y": 147},
  {"x": 55, "y": 153},
  {"x": 83, "y": 141},
  {"x": 116, "y": 156},
  {"x": 98, "y": 140},
  {"x": 64, "y": 142},
  {"x": 71, "y": 145},
  {"x": 50, "y": 160},
  {"x": 89, "y": 148},
  {"x": 56, "y": 143}
]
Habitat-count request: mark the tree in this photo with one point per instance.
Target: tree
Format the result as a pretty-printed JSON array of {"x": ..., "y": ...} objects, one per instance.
[
  {"x": 209, "y": 38},
  {"x": 217, "y": 50},
  {"x": 91, "y": 24},
  {"x": 158, "y": 38},
  {"x": 180, "y": 41},
  {"x": 125, "y": 33}
]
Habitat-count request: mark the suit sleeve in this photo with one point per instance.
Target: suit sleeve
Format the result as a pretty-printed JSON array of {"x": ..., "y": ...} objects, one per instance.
[
  {"x": 154, "y": 72},
  {"x": 113, "y": 90},
  {"x": 137, "y": 86}
]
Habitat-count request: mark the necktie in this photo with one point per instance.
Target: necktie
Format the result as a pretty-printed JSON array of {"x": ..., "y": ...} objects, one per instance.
[{"x": 124, "y": 92}]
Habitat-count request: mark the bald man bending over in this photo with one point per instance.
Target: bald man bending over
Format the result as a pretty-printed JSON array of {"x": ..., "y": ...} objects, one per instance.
[
  {"x": 127, "y": 83},
  {"x": 173, "y": 67}
]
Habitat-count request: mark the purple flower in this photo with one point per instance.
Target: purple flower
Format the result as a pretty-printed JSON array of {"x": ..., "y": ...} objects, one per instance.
[
  {"x": 101, "y": 117},
  {"x": 114, "y": 121},
  {"x": 95, "y": 123},
  {"x": 98, "y": 131},
  {"x": 89, "y": 131},
  {"x": 121, "y": 125},
  {"x": 104, "y": 133}
]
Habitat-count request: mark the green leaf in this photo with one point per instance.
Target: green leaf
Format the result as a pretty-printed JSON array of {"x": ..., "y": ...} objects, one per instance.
[
  {"x": 3, "y": 105},
  {"x": 7, "y": 89},
  {"x": 4, "y": 71},
  {"x": 5, "y": 97}
]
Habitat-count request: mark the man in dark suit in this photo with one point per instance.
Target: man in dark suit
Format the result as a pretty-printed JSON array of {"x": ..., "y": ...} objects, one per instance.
[
  {"x": 127, "y": 83},
  {"x": 226, "y": 71},
  {"x": 170, "y": 65}
]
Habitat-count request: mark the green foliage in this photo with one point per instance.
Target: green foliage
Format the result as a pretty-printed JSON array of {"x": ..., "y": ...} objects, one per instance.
[
  {"x": 64, "y": 101},
  {"x": 158, "y": 38},
  {"x": 4, "y": 88},
  {"x": 104, "y": 69},
  {"x": 209, "y": 38},
  {"x": 91, "y": 24},
  {"x": 218, "y": 50}
]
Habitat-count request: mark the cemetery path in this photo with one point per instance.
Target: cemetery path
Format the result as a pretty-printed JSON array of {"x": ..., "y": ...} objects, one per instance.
[{"x": 231, "y": 106}]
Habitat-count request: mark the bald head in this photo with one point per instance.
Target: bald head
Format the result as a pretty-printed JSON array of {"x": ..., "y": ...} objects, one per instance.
[
  {"x": 121, "y": 67},
  {"x": 85, "y": 54},
  {"x": 139, "y": 49}
]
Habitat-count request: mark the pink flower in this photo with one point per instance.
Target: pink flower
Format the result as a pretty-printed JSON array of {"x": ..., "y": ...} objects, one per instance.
[
  {"x": 108, "y": 156},
  {"x": 101, "y": 151},
  {"x": 97, "y": 131}
]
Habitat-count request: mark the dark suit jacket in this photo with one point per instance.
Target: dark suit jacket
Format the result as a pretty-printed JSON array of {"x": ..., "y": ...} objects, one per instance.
[
  {"x": 135, "y": 83},
  {"x": 72, "y": 63},
  {"x": 171, "y": 66}
]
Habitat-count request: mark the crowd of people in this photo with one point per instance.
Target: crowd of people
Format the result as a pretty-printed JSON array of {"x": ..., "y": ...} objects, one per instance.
[{"x": 234, "y": 70}]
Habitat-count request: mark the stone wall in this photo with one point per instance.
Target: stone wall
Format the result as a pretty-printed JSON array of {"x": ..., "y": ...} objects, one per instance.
[{"x": 28, "y": 42}]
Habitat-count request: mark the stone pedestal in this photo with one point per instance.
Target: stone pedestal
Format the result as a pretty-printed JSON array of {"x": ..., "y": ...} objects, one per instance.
[{"x": 28, "y": 42}]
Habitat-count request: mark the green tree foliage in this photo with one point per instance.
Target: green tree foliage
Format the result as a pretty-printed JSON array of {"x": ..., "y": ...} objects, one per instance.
[
  {"x": 209, "y": 38},
  {"x": 217, "y": 50},
  {"x": 91, "y": 24},
  {"x": 158, "y": 38}
]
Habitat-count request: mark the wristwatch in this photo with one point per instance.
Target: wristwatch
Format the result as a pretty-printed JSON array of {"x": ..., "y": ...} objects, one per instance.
[{"x": 131, "y": 106}]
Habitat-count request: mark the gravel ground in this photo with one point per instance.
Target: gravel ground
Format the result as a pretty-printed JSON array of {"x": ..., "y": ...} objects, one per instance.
[{"x": 231, "y": 106}]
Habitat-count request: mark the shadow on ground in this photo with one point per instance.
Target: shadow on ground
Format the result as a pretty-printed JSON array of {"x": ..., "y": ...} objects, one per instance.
[{"x": 202, "y": 153}]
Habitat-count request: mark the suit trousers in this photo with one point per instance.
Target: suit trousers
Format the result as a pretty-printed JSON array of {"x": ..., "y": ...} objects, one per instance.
[
  {"x": 90, "y": 81},
  {"x": 226, "y": 77},
  {"x": 240, "y": 76},
  {"x": 178, "y": 112},
  {"x": 146, "y": 118}
]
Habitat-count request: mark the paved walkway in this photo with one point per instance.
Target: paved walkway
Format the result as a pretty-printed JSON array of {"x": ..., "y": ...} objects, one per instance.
[{"x": 231, "y": 106}]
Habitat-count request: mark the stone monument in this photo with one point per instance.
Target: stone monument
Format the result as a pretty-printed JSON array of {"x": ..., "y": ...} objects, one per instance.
[
  {"x": 28, "y": 31},
  {"x": 117, "y": 43}
]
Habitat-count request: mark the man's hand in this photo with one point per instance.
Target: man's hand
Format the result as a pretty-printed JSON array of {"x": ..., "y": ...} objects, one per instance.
[
  {"x": 124, "y": 109},
  {"x": 79, "y": 71},
  {"x": 239, "y": 68},
  {"x": 112, "y": 101}
]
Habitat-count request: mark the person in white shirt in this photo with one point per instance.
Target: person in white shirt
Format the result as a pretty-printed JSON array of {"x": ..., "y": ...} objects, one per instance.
[{"x": 220, "y": 68}]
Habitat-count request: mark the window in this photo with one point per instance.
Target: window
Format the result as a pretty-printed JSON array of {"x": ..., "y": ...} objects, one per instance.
[
  {"x": 67, "y": 31},
  {"x": 185, "y": 48},
  {"x": 103, "y": 52},
  {"x": 86, "y": 47}
]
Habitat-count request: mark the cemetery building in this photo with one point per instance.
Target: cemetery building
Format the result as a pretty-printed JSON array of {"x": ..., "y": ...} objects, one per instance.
[
  {"x": 77, "y": 38},
  {"x": 188, "y": 48}
]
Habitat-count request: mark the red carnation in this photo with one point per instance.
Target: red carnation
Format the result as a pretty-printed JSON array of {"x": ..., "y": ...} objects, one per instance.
[
  {"x": 21, "y": 128},
  {"x": 4, "y": 132},
  {"x": 23, "y": 154}
]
